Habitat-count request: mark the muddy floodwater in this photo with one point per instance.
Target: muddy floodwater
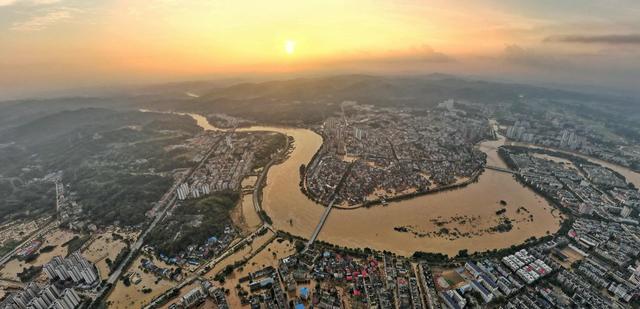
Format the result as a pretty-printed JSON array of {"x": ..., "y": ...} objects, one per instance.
[{"x": 467, "y": 215}]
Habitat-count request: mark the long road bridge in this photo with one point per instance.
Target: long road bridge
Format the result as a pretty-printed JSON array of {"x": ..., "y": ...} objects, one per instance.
[
  {"x": 323, "y": 219},
  {"x": 326, "y": 212},
  {"x": 500, "y": 169}
]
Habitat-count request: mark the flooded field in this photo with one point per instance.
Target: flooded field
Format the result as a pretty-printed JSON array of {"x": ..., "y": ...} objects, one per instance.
[
  {"x": 242, "y": 254},
  {"x": 269, "y": 256},
  {"x": 55, "y": 238},
  {"x": 249, "y": 182},
  {"x": 245, "y": 216},
  {"x": 470, "y": 210},
  {"x": 137, "y": 295},
  {"x": 572, "y": 256},
  {"x": 17, "y": 230},
  {"x": 105, "y": 246}
]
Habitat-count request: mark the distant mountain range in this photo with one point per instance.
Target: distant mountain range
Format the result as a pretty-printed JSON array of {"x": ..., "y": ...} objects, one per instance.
[
  {"x": 302, "y": 100},
  {"x": 312, "y": 99}
]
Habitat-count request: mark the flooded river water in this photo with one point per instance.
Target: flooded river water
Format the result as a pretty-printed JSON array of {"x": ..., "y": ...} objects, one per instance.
[{"x": 469, "y": 211}]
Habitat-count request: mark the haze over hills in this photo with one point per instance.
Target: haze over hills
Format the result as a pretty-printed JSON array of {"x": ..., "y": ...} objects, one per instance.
[
  {"x": 382, "y": 90},
  {"x": 304, "y": 100},
  {"x": 311, "y": 99}
]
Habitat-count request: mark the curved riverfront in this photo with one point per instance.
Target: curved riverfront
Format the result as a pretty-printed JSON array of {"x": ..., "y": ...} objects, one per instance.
[
  {"x": 630, "y": 175},
  {"x": 471, "y": 209}
]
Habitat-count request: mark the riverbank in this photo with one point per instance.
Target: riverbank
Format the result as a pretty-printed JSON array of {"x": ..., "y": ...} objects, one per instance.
[
  {"x": 629, "y": 174},
  {"x": 382, "y": 200},
  {"x": 292, "y": 212},
  {"x": 408, "y": 196}
]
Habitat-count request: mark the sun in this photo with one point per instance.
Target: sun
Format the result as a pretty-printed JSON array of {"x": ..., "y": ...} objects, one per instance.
[{"x": 289, "y": 47}]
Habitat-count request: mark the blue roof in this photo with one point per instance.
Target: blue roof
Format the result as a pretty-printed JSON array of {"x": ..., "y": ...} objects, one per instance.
[
  {"x": 304, "y": 292},
  {"x": 448, "y": 299},
  {"x": 475, "y": 267},
  {"x": 488, "y": 280},
  {"x": 479, "y": 286}
]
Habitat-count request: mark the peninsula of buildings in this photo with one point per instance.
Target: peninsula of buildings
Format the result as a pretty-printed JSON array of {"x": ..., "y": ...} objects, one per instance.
[{"x": 386, "y": 154}]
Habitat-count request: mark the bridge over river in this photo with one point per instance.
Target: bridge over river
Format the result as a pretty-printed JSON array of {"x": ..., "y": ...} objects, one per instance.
[
  {"x": 326, "y": 212},
  {"x": 500, "y": 169}
]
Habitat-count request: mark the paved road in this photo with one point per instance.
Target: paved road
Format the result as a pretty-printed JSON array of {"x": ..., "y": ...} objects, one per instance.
[
  {"x": 323, "y": 219},
  {"x": 7, "y": 257},
  {"x": 12, "y": 284},
  {"x": 211, "y": 264},
  {"x": 326, "y": 212},
  {"x": 258, "y": 186},
  {"x": 138, "y": 244},
  {"x": 201, "y": 270},
  {"x": 168, "y": 199}
]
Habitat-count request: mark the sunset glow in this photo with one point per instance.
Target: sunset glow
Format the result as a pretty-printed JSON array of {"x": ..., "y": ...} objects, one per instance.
[
  {"x": 84, "y": 43},
  {"x": 289, "y": 47}
]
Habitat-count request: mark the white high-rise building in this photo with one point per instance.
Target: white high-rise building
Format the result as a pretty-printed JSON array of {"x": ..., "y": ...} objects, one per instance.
[
  {"x": 569, "y": 139},
  {"x": 518, "y": 130},
  {"x": 359, "y": 133},
  {"x": 74, "y": 267},
  {"x": 183, "y": 191},
  {"x": 35, "y": 297}
]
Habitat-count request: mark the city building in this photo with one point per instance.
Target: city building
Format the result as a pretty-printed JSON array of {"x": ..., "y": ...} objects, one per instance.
[
  {"x": 74, "y": 268},
  {"x": 34, "y": 296}
]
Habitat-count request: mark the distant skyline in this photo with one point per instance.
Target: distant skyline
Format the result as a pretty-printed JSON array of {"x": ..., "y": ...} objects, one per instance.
[{"x": 50, "y": 45}]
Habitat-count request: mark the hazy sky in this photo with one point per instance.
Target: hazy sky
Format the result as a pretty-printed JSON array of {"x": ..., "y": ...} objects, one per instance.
[{"x": 56, "y": 44}]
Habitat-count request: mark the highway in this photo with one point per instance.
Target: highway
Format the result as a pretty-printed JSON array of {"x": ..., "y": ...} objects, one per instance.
[
  {"x": 138, "y": 244},
  {"x": 165, "y": 203},
  {"x": 7, "y": 257},
  {"x": 235, "y": 247},
  {"x": 258, "y": 208}
]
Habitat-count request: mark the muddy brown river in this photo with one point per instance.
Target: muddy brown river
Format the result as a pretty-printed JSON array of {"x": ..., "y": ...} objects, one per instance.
[{"x": 467, "y": 214}]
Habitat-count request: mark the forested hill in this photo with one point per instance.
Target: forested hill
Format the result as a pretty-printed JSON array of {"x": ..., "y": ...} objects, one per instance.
[
  {"x": 305, "y": 100},
  {"x": 115, "y": 162}
]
